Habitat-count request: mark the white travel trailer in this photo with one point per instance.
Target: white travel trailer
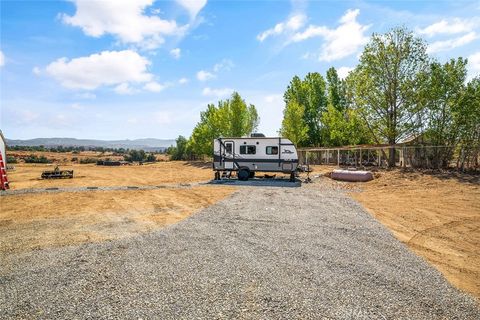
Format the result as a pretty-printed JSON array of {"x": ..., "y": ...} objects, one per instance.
[{"x": 254, "y": 154}]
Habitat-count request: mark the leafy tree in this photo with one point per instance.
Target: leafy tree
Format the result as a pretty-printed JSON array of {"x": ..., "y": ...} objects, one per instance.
[
  {"x": 311, "y": 94},
  {"x": 231, "y": 118},
  {"x": 467, "y": 120},
  {"x": 293, "y": 126},
  {"x": 337, "y": 96},
  {"x": 386, "y": 84},
  {"x": 341, "y": 124},
  {"x": 442, "y": 94},
  {"x": 179, "y": 152}
]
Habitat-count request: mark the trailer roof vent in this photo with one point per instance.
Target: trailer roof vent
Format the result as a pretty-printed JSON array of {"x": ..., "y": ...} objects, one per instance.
[{"x": 257, "y": 135}]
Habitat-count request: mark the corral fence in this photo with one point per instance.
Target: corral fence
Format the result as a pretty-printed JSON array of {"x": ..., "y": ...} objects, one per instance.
[{"x": 419, "y": 156}]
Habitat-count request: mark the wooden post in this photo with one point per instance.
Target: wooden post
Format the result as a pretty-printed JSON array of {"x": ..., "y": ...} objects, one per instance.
[{"x": 338, "y": 157}]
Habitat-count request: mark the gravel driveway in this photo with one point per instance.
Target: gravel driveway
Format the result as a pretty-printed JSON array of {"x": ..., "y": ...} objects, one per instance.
[{"x": 264, "y": 253}]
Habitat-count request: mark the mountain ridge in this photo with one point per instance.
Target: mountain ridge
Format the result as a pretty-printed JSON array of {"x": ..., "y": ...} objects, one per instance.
[{"x": 138, "y": 144}]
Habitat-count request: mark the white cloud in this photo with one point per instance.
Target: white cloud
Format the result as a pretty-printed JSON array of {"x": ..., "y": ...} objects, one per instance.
[
  {"x": 2, "y": 59},
  {"x": 274, "y": 98},
  {"x": 203, "y": 75},
  {"x": 105, "y": 68},
  {"x": 124, "y": 88},
  {"x": 218, "y": 93},
  {"x": 183, "y": 81},
  {"x": 176, "y": 53},
  {"x": 294, "y": 23},
  {"x": 124, "y": 19},
  {"x": 449, "y": 44},
  {"x": 453, "y": 26},
  {"x": 192, "y": 6},
  {"x": 340, "y": 42},
  {"x": 154, "y": 86},
  {"x": 224, "y": 65},
  {"x": 37, "y": 71},
  {"x": 474, "y": 64},
  {"x": 343, "y": 72}
]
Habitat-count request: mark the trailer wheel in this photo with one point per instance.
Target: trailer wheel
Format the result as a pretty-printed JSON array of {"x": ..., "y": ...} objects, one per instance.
[{"x": 243, "y": 174}]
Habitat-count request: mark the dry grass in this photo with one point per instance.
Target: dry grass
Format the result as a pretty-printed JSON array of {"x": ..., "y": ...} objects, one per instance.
[
  {"x": 436, "y": 215},
  {"x": 28, "y": 175},
  {"x": 35, "y": 221}
]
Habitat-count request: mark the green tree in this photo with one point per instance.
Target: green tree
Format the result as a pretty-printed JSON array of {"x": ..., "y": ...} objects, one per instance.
[
  {"x": 342, "y": 125},
  {"x": 293, "y": 126},
  {"x": 442, "y": 94},
  {"x": 311, "y": 94},
  {"x": 231, "y": 118},
  {"x": 179, "y": 151},
  {"x": 467, "y": 121},
  {"x": 386, "y": 84},
  {"x": 337, "y": 96}
]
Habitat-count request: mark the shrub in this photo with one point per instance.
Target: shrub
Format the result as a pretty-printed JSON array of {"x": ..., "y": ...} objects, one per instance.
[
  {"x": 35, "y": 159},
  {"x": 11, "y": 159},
  {"x": 88, "y": 160}
]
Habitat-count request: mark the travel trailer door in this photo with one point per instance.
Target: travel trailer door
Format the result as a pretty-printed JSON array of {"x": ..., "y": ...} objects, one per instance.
[
  {"x": 287, "y": 154},
  {"x": 229, "y": 154}
]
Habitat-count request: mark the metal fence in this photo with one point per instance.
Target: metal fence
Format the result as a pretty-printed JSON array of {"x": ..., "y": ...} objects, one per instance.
[{"x": 427, "y": 157}]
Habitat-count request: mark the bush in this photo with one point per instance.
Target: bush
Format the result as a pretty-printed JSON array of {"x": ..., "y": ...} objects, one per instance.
[
  {"x": 88, "y": 160},
  {"x": 151, "y": 158},
  {"x": 35, "y": 159},
  {"x": 11, "y": 159}
]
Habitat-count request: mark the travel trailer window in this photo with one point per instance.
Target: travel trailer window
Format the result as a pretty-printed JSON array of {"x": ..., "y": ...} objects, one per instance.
[
  {"x": 248, "y": 149},
  {"x": 228, "y": 147},
  {"x": 272, "y": 150}
]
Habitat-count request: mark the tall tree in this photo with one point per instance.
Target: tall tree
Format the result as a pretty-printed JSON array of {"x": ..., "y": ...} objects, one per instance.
[
  {"x": 311, "y": 94},
  {"x": 386, "y": 84},
  {"x": 467, "y": 120},
  {"x": 293, "y": 126},
  {"x": 336, "y": 90},
  {"x": 231, "y": 118},
  {"x": 442, "y": 94}
]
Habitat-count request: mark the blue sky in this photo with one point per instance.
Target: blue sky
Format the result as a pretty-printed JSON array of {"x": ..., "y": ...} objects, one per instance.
[{"x": 136, "y": 69}]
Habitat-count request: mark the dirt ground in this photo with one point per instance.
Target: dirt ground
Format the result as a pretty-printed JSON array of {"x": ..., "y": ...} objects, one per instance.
[
  {"x": 436, "y": 215},
  {"x": 28, "y": 175},
  {"x": 35, "y": 221}
]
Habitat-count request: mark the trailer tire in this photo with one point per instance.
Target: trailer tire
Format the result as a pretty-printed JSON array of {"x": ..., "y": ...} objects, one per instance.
[{"x": 243, "y": 174}]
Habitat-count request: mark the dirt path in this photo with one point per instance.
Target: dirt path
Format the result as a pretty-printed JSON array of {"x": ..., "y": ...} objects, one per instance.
[{"x": 282, "y": 253}]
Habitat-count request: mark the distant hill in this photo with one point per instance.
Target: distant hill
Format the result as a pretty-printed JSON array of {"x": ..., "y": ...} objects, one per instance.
[{"x": 148, "y": 144}]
